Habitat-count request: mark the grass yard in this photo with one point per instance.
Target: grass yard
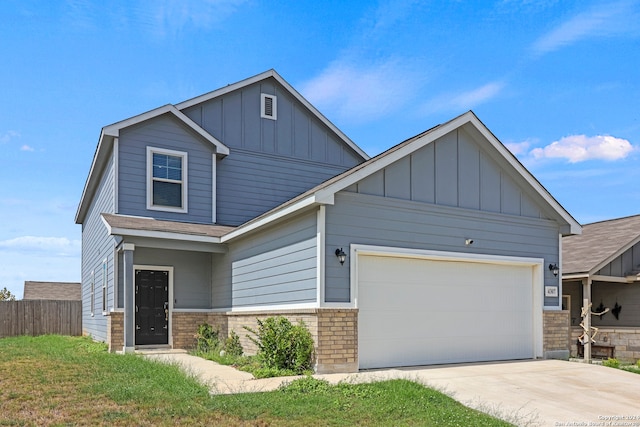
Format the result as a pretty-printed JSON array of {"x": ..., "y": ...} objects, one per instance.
[{"x": 53, "y": 380}]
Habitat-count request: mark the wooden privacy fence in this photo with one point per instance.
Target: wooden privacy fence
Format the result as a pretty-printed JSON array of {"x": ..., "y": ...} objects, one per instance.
[{"x": 39, "y": 317}]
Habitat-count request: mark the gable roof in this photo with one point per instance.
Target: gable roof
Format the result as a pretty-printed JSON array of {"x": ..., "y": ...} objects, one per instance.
[
  {"x": 600, "y": 243},
  {"x": 324, "y": 193},
  {"x": 110, "y": 132},
  {"x": 70, "y": 291},
  {"x": 273, "y": 74},
  {"x": 105, "y": 143}
]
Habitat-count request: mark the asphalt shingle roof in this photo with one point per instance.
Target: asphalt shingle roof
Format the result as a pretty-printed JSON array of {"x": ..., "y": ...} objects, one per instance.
[
  {"x": 151, "y": 224},
  {"x": 599, "y": 241},
  {"x": 70, "y": 291}
]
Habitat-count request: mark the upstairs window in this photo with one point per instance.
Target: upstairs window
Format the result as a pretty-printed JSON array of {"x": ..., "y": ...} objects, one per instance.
[
  {"x": 166, "y": 180},
  {"x": 268, "y": 106}
]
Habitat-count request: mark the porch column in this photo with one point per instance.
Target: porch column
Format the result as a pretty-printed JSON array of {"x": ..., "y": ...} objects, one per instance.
[
  {"x": 586, "y": 306},
  {"x": 129, "y": 298}
]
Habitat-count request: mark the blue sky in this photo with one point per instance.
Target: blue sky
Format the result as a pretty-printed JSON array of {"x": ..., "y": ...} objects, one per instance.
[{"x": 558, "y": 82}]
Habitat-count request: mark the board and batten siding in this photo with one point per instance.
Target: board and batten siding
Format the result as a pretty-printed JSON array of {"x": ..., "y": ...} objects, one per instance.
[
  {"x": 277, "y": 266},
  {"x": 191, "y": 274},
  {"x": 98, "y": 245},
  {"x": 164, "y": 132},
  {"x": 384, "y": 221},
  {"x": 455, "y": 171},
  {"x": 270, "y": 161},
  {"x": 623, "y": 265}
]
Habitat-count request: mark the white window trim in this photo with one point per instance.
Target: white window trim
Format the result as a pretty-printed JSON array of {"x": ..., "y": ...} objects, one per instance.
[
  {"x": 92, "y": 289},
  {"x": 185, "y": 174},
  {"x": 105, "y": 269},
  {"x": 274, "y": 106}
]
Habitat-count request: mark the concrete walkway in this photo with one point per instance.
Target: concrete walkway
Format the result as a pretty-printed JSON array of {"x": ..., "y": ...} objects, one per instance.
[{"x": 532, "y": 393}]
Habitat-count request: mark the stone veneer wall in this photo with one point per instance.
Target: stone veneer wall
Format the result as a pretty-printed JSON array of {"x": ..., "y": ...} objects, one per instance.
[
  {"x": 625, "y": 339},
  {"x": 334, "y": 331},
  {"x": 337, "y": 345},
  {"x": 115, "y": 331},
  {"x": 556, "y": 334},
  {"x": 184, "y": 326}
]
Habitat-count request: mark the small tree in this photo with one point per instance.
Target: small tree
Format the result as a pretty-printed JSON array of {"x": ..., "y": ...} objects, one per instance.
[{"x": 6, "y": 295}]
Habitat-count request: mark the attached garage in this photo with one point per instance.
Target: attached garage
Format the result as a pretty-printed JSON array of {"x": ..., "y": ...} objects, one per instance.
[{"x": 423, "y": 307}]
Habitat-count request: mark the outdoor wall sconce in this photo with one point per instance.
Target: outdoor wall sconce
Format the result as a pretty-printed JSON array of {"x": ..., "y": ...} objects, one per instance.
[
  {"x": 468, "y": 242},
  {"x": 553, "y": 267},
  {"x": 341, "y": 256}
]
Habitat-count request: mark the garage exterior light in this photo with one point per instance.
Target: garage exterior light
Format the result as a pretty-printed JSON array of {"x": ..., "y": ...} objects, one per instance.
[
  {"x": 342, "y": 257},
  {"x": 553, "y": 267}
]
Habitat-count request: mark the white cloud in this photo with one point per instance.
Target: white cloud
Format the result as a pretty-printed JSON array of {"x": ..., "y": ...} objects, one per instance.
[
  {"x": 463, "y": 100},
  {"x": 360, "y": 92},
  {"x": 578, "y": 148},
  {"x": 607, "y": 19},
  {"x": 8, "y": 136},
  {"x": 518, "y": 148},
  {"x": 59, "y": 246},
  {"x": 26, "y": 148}
]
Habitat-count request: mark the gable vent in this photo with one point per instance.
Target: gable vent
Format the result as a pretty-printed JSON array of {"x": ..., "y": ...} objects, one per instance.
[{"x": 268, "y": 109}]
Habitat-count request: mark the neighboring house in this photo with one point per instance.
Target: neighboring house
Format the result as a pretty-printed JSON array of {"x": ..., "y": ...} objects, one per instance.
[
  {"x": 603, "y": 266},
  {"x": 52, "y": 291},
  {"x": 247, "y": 202}
]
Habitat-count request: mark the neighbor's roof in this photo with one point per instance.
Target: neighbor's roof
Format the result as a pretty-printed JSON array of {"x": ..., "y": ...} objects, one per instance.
[
  {"x": 148, "y": 227},
  {"x": 70, "y": 291},
  {"x": 324, "y": 193},
  {"x": 599, "y": 244}
]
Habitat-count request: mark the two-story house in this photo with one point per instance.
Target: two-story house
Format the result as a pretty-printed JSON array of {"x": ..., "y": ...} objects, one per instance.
[{"x": 247, "y": 202}]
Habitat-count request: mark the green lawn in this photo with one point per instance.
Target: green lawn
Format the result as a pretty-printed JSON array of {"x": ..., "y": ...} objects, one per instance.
[{"x": 53, "y": 380}]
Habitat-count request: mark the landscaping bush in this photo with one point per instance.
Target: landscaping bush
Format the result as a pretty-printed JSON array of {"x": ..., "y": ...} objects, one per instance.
[
  {"x": 207, "y": 337},
  {"x": 232, "y": 345},
  {"x": 282, "y": 345},
  {"x": 611, "y": 363}
]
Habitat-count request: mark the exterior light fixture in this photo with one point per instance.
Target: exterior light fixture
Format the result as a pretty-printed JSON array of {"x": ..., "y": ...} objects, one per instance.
[
  {"x": 553, "y": 267},
  {"x": 341, "y": 256}
]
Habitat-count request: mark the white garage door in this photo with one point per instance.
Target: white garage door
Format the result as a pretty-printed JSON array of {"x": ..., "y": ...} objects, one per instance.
[{"x": 419, "y": 311}]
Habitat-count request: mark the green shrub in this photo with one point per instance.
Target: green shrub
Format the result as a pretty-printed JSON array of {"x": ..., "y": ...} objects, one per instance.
[
  {"x": 207, "y": 337},
  {"x": 232, "y": 345},
  {"x": 306, "y": 385},
  {"x": 611, "y": 363},
  {"x": 282, "y": 345}
]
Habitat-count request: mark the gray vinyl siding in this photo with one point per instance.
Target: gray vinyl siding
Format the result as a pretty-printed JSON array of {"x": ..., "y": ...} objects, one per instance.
[
  {"x": 624, "y": 265},
  {"x": 273, "y": 267},
  {"x": 250, "y": 184},
  {"x": 383, "y": 221},
  {"x": 168, "y": 133},
  {"x": 456, "y": 171},
  {"x": 191, "y": 274},
  {"x": 625, "y": 294},
  {"x": 270, "y": 161},
  {"x": 97, "y": 246}
]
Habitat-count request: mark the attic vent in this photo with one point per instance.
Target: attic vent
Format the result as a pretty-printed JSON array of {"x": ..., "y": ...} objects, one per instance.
[{"x": 269, "y": 106}]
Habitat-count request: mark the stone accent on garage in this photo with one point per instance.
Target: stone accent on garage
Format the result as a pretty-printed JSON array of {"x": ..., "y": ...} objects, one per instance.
[
  {"x": 556, "y": 334},
  {"x": 337, "y": 345}
]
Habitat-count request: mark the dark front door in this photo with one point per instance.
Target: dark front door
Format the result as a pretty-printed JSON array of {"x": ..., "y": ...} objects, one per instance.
[{"x": 152, "y": 307}]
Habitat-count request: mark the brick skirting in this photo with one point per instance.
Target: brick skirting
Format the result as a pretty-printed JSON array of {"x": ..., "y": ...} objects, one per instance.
[
  {"x": 556, "y": 334},
  {"x": 115, "y": 331}
]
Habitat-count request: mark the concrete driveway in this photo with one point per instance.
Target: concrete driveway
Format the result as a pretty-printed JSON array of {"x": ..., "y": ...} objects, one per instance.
[{"x": 528, "y": 393}]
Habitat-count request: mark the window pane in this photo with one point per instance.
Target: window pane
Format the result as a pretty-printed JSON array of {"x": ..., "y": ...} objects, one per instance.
[
  {"x": 167, "y": 167},
  {"x": 167, "y": 194}
]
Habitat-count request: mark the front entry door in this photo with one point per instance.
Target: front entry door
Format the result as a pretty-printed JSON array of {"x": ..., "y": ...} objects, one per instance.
[{"x": 152, "y": 307}]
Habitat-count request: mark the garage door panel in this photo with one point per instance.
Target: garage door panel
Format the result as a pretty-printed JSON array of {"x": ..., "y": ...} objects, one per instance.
[{"x": 416, "y": 311}]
